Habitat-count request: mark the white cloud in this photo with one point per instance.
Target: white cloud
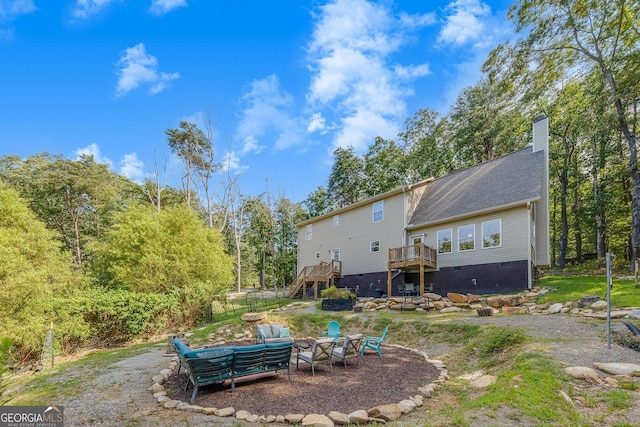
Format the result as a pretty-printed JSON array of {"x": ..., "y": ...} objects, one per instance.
[
  {"x": 85, "y": 8},
  {"x": 132, "y": 167},
  {"x": 268, "y": 110},
  {"x": 139, "y": 68},
  {"x": 94, "y": 151},
  {"x": 231, "y": 163},
  {"x": 411, "y": 71},
  {"x": 10, "y": 10},
  {"x": 463, "y": 23},
  {"x": 316, "y": 123},
  {"x": 350, "y": 61},
  {"x": 160, "y": 7}
]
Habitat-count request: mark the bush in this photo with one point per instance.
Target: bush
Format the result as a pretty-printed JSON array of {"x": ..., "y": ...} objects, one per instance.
[{"x": 334, "y": 293}]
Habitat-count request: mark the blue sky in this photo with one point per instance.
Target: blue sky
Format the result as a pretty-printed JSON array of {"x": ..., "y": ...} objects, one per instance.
[{"x": 280, "y": 84}]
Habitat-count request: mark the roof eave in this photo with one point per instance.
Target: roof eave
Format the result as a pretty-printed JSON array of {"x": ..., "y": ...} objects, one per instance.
[
  {"x": 370, "y": 200},
  {"x": 474, "y": 213}
]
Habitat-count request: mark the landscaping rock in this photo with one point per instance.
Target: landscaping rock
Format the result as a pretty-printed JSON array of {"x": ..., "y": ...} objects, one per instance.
[
  {"x": 294, "y": 418},
  {"x": 457, "y": 298},
  {"x": 339, "y": 418},
  {"x": 317, "y": 420},
  {"x": 484, "y": 381},
  {"x": 632, "y": 369},
  {"x": 359, "y": 417},
  {"x": 583, "y": 373},
  {"x": 385, "y": 412},
  {"x": 599, "y": 305},
  {"x": 555, "y": 308},
  {"x": 225, "y": 412}
]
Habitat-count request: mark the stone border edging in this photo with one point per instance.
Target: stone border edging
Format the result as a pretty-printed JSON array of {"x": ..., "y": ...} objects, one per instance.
[{"x": 380, "y": 413}]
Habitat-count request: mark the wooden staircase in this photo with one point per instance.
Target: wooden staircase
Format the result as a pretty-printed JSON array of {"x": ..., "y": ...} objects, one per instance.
[{"x": 315, "y": 276}]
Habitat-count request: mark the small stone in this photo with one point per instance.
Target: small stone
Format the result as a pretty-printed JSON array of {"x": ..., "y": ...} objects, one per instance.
[
  {"x": 209, "y": 411},
  {"x": 242, "y": 415},
  {"x": 166, "y": 373},
  {"x": 294, "y": 418},
  {"x": 418, "y": 399},
  {"x": 280, "y": 419},
  {"x": 171, "y": 404},
  {"x": 359, "y": 417},
  {"x": 339, "y": 418},
  {"x": 160, "y": 393},
  {"x": 158, "y": 379},
  {"x": 599, "y": 305},
  {"x": 183, "y": 406},
  {"x": 225, "y": 412},
  {"x": 389, "y": 412},
  {"x": 555, "y": 308},
  {"x": 156, "y": 388},
  {"x": 483, "y": 382},
  {"x": 317, "y": 420},
  {"x": 194, "y": 409},
  {"x": 252, "y": 418},
  {"x": 406, "y": 406},
  {"x": 163, "y": 399},
  {"x": 450, "y": 309}
]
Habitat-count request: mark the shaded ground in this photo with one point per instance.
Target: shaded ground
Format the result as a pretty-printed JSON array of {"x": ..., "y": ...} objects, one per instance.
[{"x": 375, "y": 381}]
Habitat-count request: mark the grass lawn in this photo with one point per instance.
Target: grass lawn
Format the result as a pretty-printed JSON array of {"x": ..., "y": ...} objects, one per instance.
[{"x": 572, "y": 288}]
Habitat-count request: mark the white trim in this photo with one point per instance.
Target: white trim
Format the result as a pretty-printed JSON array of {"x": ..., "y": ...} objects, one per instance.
[
  {"x": 381, "y": 211},
  {"x": 450, "y": 230},
  {"x": 473, "y": 237},
  {"x": 500, "y": 231}
]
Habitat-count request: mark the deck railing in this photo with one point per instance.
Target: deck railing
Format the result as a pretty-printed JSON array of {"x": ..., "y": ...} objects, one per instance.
[{"x": 411, "y": 255}]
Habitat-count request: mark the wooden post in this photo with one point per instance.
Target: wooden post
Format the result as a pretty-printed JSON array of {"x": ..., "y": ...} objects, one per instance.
[{"x": 388, "y": 281}]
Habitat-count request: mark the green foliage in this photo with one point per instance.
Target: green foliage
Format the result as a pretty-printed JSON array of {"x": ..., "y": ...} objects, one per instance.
[
  {"x": 334, "y": 293},
  {"x": 159, "y": 252},
  {"x": 567, "y": 288},
  {"x": 33, "y": 274},
  {"x": 118, "y": 316},
  {"x": 496, "y": 340}
]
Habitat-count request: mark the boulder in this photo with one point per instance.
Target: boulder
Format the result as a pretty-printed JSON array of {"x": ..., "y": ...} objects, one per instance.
[
  {"x": 555, "y": 308},
  {"x": 432, "y": 296},
  {"x": 359, "y": 417},
  {"x": 632, "y": 369},
  {"x": 457, "y": 298},
  {"x": 583, "y": 373},
  {"x": 317, "y": 420},
  {"x": 385, "y": 412},
  {"x": 512, "y": 300},
  {"x": 494, "y": 301},
  {"x": 339, "y": 418},
  {"x": 599, "y": 305}
]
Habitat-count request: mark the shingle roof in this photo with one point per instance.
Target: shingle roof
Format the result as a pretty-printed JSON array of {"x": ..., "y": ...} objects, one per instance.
[{"x": 504, "y": 181}]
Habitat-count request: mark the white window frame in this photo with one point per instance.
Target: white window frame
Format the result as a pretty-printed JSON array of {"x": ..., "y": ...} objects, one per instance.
[
  {"x": 499, "y": 221},
  {"x": 450, "y": 232},
  {"x": 309, "y": 232},
  {"x": 379, "y": 211},
  {"x": 374, "y": 246},
  {"x": 466, "y": 237},
  {"x": 335, "y": 252},
  {"x": 336, "y": 220}
]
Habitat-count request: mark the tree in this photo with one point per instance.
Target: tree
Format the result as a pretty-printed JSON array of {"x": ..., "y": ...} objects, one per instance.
[
  {"x": 484, "y": 124},
  {"x": 162, "y": 252},
  {"x": 385, "y": 167},
  {"x": 318, "y": 202},
  {"x": 346, "y": 178},
  {"x": 75, "y": 198},
  {"x": 561, "y": 37},
  {"x": 193, "y": 147},
  {"x": 428, "y": 153},
  {"x": 33, "y": 272}
]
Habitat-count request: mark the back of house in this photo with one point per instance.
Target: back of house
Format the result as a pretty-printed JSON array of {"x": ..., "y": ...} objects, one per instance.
[{"x": 481, "y": 230}]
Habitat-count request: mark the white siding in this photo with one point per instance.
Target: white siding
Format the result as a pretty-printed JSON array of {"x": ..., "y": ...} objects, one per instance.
[
  {"x": 514, "y": 239},
  {"x": 353, "y": 236}
]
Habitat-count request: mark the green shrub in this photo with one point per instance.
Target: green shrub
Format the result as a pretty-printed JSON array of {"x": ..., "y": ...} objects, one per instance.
[{"x": 334, "y": 293}]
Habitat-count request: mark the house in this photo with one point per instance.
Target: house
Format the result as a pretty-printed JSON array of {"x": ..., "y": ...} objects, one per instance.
[{"x": 480, "y": 230}]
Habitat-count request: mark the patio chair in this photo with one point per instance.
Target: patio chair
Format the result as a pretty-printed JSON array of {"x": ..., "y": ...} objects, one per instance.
[
  {"x": 333, "y": 330},
  {"x": 320, "y": 354},
  {"x": 349, "y": 349},
  {"x": 374, "y": 343}
]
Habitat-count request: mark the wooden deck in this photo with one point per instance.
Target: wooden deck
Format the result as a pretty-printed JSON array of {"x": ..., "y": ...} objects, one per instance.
[{"x": 411, "y": 258}]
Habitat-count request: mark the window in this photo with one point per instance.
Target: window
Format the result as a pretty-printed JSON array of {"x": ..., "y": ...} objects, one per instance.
[
  {"x": 491, "y": 234},
  {"x": 466, "y": 238},
  {"x": 335, "y": 254},
  {"x": 309, "y": 232},
  {"x": 444, "y": 241},
  {"x": 336, "y": 220},
  {"x": 378, "y": 211},
  {"x": 374, "y": 246}
]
